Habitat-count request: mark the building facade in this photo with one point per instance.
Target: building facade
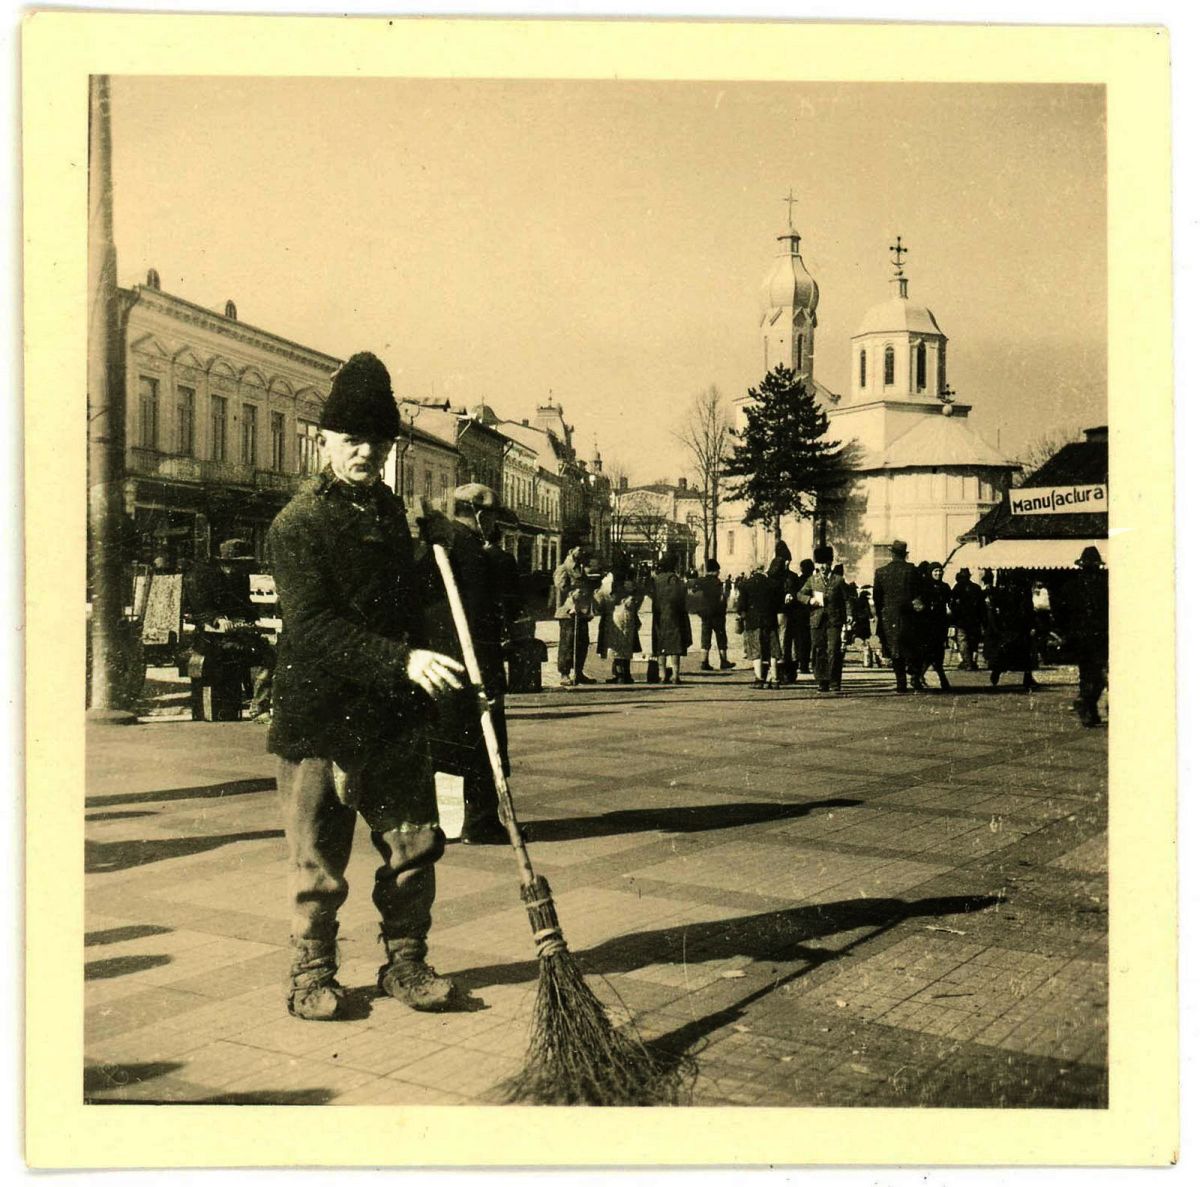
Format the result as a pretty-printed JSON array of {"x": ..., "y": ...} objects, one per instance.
[
  {"x": 221, "y": 423},
  {"x": 657, "y": 520}
]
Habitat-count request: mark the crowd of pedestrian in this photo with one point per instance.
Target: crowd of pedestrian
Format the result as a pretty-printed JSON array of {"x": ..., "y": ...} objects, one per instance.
[{"x": 805, "y": 621}]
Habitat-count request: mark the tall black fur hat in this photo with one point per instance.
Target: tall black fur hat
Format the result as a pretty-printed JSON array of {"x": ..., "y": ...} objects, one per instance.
[
  {"x": 823, "y": 554},
  {"x": 361, "y": 401}
]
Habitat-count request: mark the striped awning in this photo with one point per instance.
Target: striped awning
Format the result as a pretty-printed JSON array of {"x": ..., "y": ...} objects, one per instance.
[{"x": 1024, "y": 554}]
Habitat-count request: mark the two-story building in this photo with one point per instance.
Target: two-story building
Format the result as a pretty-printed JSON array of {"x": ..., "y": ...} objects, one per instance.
[{"x": 221, "y": 422}]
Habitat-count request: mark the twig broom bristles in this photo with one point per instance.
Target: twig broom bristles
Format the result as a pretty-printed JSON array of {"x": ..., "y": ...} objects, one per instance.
[{"x": 576, "y": 1056}]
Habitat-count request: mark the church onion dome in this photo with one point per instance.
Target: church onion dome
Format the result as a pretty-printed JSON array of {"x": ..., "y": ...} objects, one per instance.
[
  {"x": 898, "y": 315},
  {"x": 788, "y": 284}
]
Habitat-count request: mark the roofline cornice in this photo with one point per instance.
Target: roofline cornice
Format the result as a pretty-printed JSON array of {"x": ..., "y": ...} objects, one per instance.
[{"x": 187, "y": 311}]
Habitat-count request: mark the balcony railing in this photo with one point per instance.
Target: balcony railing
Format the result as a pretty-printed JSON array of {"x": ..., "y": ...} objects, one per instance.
[
  {"x": 274, "y": 481},
  {"x": 533, "y": 516},
  {"x": 152, "y": 463}
]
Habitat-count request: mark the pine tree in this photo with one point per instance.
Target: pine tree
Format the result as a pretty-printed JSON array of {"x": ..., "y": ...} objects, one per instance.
[{"x": 783, "y": 459}]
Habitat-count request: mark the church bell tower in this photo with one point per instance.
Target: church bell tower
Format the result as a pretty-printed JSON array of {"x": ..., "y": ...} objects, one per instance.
[{"x": 788, "y": 318}]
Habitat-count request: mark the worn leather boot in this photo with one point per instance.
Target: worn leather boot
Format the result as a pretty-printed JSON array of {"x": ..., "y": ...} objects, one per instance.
[
  {"x": 408, "y": 979},
  {"x": 313, "y": 991}
]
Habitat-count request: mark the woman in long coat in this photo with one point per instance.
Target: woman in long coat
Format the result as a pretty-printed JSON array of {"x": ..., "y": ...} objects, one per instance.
[
  {"x": 936, "y": 623},
  {"x": 1008, "y": 639},
  {"x": 672, "y": 629}
]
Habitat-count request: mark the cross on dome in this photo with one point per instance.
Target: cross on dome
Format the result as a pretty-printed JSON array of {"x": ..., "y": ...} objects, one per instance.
[
  {"x": 791, "y": 201},
  {"x": 899, "y": 251}
]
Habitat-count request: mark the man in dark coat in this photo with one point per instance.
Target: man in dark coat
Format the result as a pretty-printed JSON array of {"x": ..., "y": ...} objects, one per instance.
[
  {"x": 758, "y": 607},
  {"x": 1083, "y": 614},
  {"x": 458, "y": 746},
  {"x": 894, "y": 589},
  {"x": 829, "y": 607},
  {"x": 353, "y": 693},
  {"x": 713, "y": 608},
  {"x": 967, "y": 612}
]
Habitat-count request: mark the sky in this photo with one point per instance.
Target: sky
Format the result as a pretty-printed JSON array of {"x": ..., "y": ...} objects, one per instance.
[{"x": 606, "y": 241}]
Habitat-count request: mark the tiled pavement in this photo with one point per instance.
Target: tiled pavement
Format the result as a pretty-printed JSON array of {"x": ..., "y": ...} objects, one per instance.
[{"x": 865, "y": 900}]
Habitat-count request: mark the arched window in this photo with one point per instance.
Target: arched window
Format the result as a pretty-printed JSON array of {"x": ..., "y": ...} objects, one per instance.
[
  {"x": 800, "y": 353},
  {"x": 862, "y": 368},
  {"x": 921, "y": 367},
  {"x": 889, "y": 367}
]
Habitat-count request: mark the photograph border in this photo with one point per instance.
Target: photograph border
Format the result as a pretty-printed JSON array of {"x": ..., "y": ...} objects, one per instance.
[{"x": 1140, "y": 1125}]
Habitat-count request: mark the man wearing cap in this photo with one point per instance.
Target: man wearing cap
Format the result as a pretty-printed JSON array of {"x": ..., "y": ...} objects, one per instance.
[
  {"x": 482, "y": 579},
  {"x": 1083, "y": 614},
  {"x": 829, "y": 606},
  {"x": 573, "y": 607},
  {"x": 895, "y": 588},
  {"x": 354, "y": 690},
  {"x": 968, "y": 612}
]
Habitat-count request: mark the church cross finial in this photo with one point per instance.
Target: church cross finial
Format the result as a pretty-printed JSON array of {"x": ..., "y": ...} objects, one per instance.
[
  {"x": 791, "y": 201},
  {"x": 899, "y": 251}
]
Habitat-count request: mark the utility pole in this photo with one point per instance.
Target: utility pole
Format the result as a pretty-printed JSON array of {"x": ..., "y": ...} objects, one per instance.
[{"x": 106, "y": 425}]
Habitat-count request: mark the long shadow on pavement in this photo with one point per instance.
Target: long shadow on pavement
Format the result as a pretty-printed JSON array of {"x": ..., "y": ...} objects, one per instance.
[
  {"x": 107, "y": 857},
  {"x": 112, "y": 1077},
  {"x": 212, "y": 791},
  {"x": 772, "y": 936},
  {"x": 122, "y": 966},
  {"x": 880, "y": 915},
  {"x": 689, "y": 819},
  {"x": 118, "y": 935}
]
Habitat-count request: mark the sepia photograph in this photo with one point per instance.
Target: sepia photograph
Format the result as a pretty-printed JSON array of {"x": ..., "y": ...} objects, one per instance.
[{"x": 596, "y": 592}]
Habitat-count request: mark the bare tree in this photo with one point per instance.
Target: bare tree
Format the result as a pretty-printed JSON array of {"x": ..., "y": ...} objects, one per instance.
[
  {"x": 618, "y": 475},
  {"x": 1041, "y": 449},
  {"x": 705, "y": 434}
]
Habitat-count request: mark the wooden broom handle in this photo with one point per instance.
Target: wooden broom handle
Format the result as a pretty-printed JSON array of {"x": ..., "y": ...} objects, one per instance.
[{"x": 508, "y": 815}]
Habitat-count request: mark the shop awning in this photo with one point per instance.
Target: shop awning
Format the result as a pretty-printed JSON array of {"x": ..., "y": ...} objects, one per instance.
[{"x": 1025, "y": 554}]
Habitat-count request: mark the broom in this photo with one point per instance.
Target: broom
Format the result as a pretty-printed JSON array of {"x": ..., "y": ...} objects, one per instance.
[{"x": 575, "y": 1055}]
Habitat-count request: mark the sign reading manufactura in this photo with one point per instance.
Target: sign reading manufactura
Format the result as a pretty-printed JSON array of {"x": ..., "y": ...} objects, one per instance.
[{"x": 1059, "y": 500}]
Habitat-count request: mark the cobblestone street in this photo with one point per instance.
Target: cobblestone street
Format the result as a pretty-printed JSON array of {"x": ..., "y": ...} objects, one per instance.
[{"x": 862, "y": 900}]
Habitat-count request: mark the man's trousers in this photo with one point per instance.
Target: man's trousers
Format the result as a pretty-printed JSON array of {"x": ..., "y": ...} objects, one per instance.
[
  {"x": 827, "y": 654},
  {"x": 572, "y": 644},
  {"x": 397, "y": 800}
]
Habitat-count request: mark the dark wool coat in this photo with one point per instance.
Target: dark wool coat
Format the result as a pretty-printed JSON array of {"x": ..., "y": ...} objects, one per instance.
[
  {"x": 670, "y": 625},
  {"x": 895, "y": 586},
  {"x": 351, "y": 608},
  {"x": 935, "y": 621},
  {"x": 481, "y": 585},
  {"x": 759, "y": 603},
  {"x": 1083, "y": 612}
]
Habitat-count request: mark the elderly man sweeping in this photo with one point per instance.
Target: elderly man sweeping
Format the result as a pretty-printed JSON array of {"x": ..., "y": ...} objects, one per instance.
[{"x": 352, "y": 698}]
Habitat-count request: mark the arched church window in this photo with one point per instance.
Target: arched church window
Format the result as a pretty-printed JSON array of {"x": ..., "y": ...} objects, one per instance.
[
  {"x": 921, "y": 367},
  {"x": 862, "y": 368},
  {"x": 889, "y": 366},
  {"x": 800, "y": 353}
]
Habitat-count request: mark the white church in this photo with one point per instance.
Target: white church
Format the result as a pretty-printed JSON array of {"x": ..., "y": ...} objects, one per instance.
[{"x": 924, "y": 475}]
